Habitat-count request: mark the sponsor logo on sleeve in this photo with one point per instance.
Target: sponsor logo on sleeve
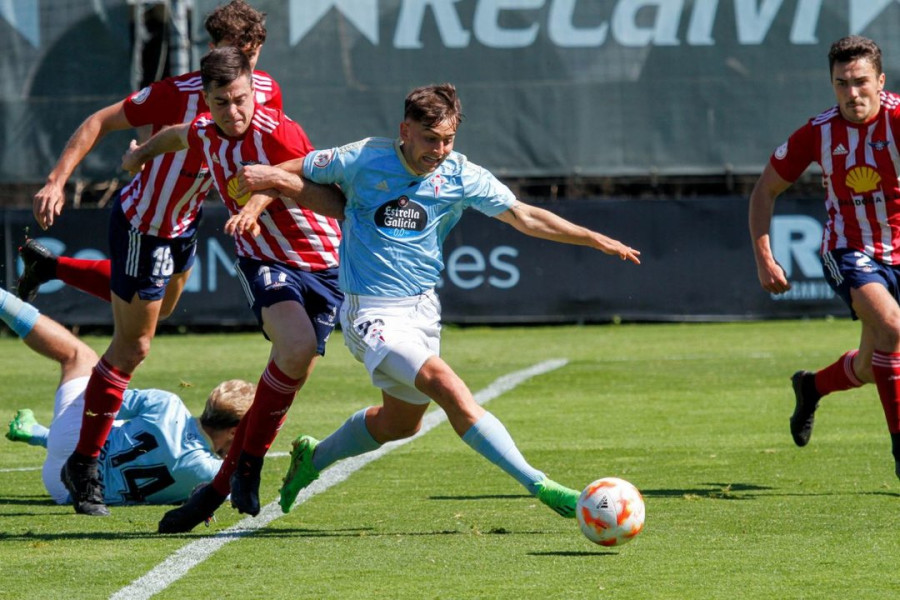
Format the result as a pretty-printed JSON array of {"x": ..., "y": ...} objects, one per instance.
[
  {"x": 323, "y": 158},
  {"x": 781, "y": 151},
  {"x": 141, "y": 96}
]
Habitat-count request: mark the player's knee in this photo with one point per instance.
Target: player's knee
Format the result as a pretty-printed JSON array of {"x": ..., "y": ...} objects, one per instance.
[
  {"x": 296, "y": 360},
  {"x": 128, "y": 355}
]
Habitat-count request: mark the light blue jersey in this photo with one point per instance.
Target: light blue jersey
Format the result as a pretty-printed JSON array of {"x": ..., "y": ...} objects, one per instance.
[
  {"x": 158, "y": 455},
  {"x": 395, "y": 221}
]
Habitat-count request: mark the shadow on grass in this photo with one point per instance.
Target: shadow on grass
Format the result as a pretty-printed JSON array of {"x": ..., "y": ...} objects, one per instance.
[
  {"x": 746, "y": 491},
  {"x": 716, "y": 491},
  {"x": 482, "y": 497},
  {"x": 41, "y": 500},
  {"x": 582, "y": 554}
]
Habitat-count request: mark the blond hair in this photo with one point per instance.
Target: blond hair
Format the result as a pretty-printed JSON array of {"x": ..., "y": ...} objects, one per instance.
[{"x": 227, "y": 404}]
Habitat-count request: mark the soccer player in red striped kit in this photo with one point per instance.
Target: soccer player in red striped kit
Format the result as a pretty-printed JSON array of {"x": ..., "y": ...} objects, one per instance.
[
  {"x": 152, "y": 233},
  {"x": 287, "y": 263},
  {"x": 855, "y": 143}
]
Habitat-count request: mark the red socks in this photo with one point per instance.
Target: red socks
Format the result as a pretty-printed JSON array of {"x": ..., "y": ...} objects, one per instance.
[
  {"x": 838, "y": 376},
  {"x": 274, "y": 395},
  {"x": 102, "y": 400},
  {"x": 257, "y": 430},
  {"x": 222, "y": 481},
  {"x": 886, "y": 368},
  {"x": 91, "y": 276}
]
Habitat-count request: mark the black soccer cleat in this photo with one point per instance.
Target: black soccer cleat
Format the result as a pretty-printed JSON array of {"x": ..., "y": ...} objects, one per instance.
[
  {"x": 81, "y": 477},
  {"x": 198, "y": 509},
  {"x": 807, "y": 401},
  {"x": 40, "y": 267},
  {"x": 245, "y": 484}
]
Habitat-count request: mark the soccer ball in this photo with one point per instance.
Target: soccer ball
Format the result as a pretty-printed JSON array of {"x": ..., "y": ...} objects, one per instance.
[{"x": 610, "y": 511}]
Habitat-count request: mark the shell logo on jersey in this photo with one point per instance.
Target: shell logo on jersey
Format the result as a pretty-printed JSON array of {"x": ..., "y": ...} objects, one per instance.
[
  {"x": 402, "y": 217},
  {"x": 141, "y": 96},
  {"x": 233, "y": 187},
  {"x": 323, "y": 158},
  {"x": 863, "y": 179}
]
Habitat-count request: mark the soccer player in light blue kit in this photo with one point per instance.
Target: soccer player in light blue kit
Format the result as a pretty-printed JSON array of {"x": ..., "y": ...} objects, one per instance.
[
  {"x": 402, "y": 199},
  {"x": 157, "y": 453}
]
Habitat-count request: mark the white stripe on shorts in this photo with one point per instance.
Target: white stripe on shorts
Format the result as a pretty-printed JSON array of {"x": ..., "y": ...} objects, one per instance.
[{"x": 132, "y": 260}]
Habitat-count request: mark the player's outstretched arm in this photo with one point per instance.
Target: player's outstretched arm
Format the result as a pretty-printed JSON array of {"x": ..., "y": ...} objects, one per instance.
[
  {"x": 50, "y": 199},
  {"x": 168, "y": 139},
  {"x": 546, "y": 225},
  {"x": 768, "y": 187},
  {"x": 325, "y": 200}
]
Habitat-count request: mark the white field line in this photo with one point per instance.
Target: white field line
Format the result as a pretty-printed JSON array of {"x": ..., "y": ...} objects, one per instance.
[{"x": 183, "y": 560}]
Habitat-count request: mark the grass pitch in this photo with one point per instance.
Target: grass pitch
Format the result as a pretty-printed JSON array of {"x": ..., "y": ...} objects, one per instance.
[{"x": 695, "y": 415}]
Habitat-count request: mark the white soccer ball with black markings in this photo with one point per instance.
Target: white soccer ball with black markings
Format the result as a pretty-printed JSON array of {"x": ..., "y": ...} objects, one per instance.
[{"x": 610, "y": 511}]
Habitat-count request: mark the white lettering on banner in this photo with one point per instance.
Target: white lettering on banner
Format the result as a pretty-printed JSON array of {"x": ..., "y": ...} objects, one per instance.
[
  {"x": 466, "y": 267},
  {"x": 487, "y": 23},
  {"x": 797, "y": 238},
  {"x": 563, "y": 33},
  {"x": 412, "y": 14},
  {"x": 796, "y": 241},
  {"x": 664, "y": 31},
  {"x": 631, "y": 23}
]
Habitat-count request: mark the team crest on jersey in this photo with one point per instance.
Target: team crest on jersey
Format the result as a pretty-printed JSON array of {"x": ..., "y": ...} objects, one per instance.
[
  {"x": 880, "y": 144},
  {"x": 402, "y": 217},
  {"x": 436, "y": 182},
  {"x": 323, "y": 158},
  {"x": 141, "y": 96},
  {"x": 781, "y": 151},
  {"x": 863, "y": 179}
]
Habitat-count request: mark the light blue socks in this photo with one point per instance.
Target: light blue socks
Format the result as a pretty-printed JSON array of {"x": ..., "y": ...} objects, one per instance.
[
  {"x": 351, "y": 439},
  {"x": 19, "y": 315},
  {"x": 490, "y": 438}
]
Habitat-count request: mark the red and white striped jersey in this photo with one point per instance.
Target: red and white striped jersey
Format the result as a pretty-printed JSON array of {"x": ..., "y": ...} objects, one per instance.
[
  {"x": 164, "y": 199},
  {"x": 290, "y": 234},
  {"x": 860, "y": 167}
]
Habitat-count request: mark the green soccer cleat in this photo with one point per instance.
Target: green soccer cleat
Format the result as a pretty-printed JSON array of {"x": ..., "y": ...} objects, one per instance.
[
  {"x": 301, "y": 471},
  {"x": 558, "y": 497},
  {"x": 21, "y": 425}
]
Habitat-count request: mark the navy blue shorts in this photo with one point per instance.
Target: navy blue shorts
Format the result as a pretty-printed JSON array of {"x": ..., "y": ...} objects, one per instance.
[
  {"x": 847, "y": 269},
  {"x": 268, "y": 283},
  {"x": 145, "y": 263}
]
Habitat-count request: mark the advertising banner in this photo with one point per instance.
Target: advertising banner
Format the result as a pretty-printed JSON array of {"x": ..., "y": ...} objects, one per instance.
[
  {"x": 697, "y": 265},
  {"x": 550, "y": 88}
]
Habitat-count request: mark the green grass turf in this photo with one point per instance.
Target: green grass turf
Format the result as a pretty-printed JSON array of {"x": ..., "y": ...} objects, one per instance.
[{"x": 695, "y": 415}]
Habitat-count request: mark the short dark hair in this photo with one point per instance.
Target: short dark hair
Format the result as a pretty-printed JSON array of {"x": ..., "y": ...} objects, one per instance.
[
  {"x": 854, "y": 47},
  {"x": 223, "y": 65},
  {"x": 237, "y": 22},
  {"x": 432, "y": 105}
]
